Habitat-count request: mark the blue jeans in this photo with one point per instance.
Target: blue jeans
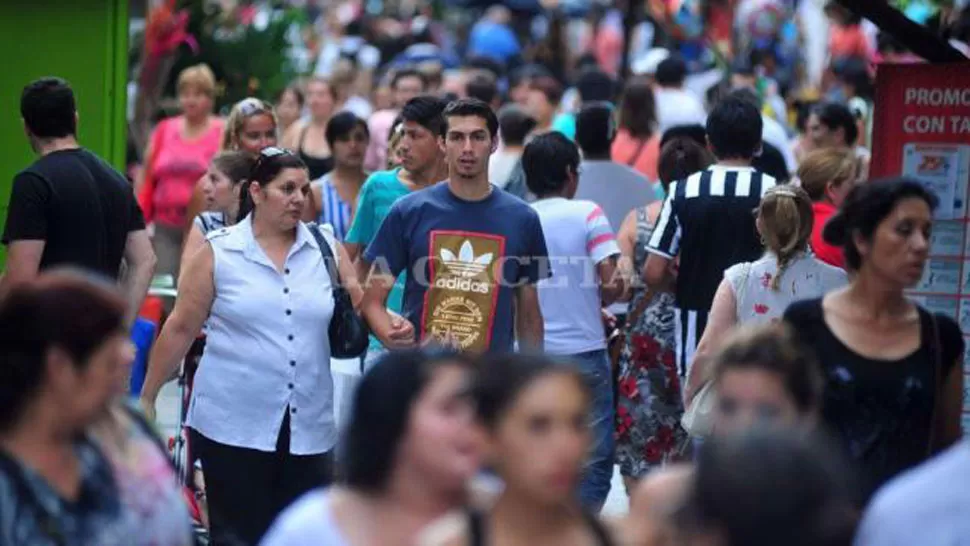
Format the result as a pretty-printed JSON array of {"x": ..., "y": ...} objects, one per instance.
[{"x": 598, "y": 475}]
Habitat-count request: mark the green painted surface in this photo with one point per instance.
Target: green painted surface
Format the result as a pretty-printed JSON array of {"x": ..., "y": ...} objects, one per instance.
[{"x": 82, "y": 41}]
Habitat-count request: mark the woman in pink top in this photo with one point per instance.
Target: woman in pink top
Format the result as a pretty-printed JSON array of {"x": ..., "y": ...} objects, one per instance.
[
  {"x": 637, "y": 142},
  {"x": 178, "y": 154}
]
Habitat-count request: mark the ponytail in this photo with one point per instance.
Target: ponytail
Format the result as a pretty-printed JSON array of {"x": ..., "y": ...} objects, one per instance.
[
  {"x": 786, "y": 219},
  {"x": 246, "y": 204}
]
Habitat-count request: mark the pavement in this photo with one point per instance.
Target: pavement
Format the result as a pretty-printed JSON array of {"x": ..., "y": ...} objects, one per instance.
[{"x": 167, "y": 418}]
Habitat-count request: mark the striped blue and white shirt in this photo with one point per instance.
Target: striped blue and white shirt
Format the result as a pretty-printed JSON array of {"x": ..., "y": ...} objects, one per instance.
[
  {"x": 334, "y": 210},
  {"x": 707, "y": 220}
]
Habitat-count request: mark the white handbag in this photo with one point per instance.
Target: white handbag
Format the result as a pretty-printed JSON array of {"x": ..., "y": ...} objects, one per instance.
[{"x": 698, "y": 419}]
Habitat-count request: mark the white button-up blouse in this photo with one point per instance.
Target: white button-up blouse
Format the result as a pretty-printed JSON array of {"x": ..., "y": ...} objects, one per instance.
[{"x": 267, "y": 350}]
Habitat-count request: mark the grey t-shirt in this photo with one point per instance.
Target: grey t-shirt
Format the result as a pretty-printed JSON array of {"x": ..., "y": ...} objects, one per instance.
[
  {"x": 927, "y": 505},
  {"x": 616, "y": 188}
]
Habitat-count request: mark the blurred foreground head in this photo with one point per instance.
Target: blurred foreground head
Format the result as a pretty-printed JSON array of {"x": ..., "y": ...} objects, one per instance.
[{"x": 767, "y": 488}]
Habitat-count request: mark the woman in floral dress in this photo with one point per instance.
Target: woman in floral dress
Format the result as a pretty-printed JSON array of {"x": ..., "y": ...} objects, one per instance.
[{"x": 649, "y": 403}]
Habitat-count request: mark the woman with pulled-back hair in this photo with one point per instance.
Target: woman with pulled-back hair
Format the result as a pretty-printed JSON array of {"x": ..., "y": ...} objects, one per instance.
[
  {"x": 756, "y": 292},
  {"x": 893, "y": 370},
  {"x": 261, "y": 415}
]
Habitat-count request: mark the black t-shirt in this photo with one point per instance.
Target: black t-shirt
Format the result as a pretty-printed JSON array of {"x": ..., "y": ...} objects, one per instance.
[
  {"x": 881, "y": 411},
  {"x": 79, "y": 205}
]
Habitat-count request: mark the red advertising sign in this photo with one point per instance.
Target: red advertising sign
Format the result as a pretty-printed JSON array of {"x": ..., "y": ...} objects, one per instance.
[
  {"x": 918, "y": 103},
  {"x": 921, "y": 129}
]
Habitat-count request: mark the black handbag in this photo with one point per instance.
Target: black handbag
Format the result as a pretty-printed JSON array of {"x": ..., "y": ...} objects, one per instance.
[{"x": 348, "y": 332}]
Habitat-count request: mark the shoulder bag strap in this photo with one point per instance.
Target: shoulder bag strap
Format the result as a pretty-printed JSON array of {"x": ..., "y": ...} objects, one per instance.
[
  {"x": 637, "y": 153},
  {"x": 325, "y": 249},
  {"x": 743, "y": 289},
  {"x": 937, "y": 351},
  {"x": 634, "y": 314},
  {"x": 476, "y": 528}
]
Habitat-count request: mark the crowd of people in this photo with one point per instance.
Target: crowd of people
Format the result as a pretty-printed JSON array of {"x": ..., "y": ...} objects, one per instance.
[{"x": 541, "y": 274}]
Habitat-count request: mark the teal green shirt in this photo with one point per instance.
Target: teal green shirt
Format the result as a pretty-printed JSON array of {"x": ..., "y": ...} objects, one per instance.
[
  {"x": 565, "y": 124},
  {"x": 378, "y": 193}
]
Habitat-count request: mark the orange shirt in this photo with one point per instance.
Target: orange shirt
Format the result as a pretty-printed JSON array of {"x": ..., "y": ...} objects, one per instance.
[
  {"x": 848, "y": 41},
  {"x": 641, "y": 156}
]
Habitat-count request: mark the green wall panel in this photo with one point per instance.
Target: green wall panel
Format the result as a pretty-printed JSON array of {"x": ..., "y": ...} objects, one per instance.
[{"x": 82, "y": 41}]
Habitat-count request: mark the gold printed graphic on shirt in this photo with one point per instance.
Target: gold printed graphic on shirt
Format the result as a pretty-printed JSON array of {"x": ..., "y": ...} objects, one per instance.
[{"x": 461, "y": 300}]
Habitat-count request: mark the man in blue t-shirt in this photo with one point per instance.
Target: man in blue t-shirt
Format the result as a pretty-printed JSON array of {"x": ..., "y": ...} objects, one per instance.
[{"x": 471, "y": 252}]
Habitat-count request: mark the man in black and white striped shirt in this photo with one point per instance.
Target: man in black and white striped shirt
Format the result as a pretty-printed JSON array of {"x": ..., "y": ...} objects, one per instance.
[{"x": 707, "y": 220}]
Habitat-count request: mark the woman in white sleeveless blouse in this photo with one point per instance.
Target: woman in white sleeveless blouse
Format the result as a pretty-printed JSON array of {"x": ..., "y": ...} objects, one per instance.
[
  {"x": 760, "y": 291},
  {"x": 261, "y": 416}
]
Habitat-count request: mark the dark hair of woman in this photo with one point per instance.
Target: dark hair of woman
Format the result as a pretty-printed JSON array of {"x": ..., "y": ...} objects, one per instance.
[
  {"x": 269, "y": 164},
  {"x": 679, "y": 158},
  {"x": 866, "y": 206},
  {"x": 381, "y": 412},
  {"x": 237, "y": 165},
  {"x": 297, "y": 93},
  {"x": 774, "y": 348},
  {"x": 341, "y": 125},
  {"x": 770, "y": 487},
  {"x": 67, "y": 310},
  {"x": 638, "y": 113},
  {"x": 501, "y": 379}
]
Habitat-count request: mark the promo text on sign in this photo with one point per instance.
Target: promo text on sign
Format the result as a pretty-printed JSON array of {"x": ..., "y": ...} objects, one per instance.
[{"x": 954, "y": 97}]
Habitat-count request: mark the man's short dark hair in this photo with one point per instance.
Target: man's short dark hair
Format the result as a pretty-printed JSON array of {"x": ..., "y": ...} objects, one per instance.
[
  {"x": 734, "y": 128},
  {"x": 48, "y": 108},
  {"x": 483, "y": 88},
  {"x": 473, "y": 107},
  {"x": 515, "y": 124},
  {"x": 409, "y": 73},
  {"x": 426, "y": 111},
  {"x": 596, "y": 85},
  {"x": 546, "y": 161},
  {"x": 836, "y": 115},
  {"x": 595, "y": 129},
  {"x": 671, "y": 72}
]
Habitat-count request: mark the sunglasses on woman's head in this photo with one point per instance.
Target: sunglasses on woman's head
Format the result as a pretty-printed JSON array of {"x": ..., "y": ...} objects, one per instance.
[
  {"x": 268, "y": 154},
  {"x": 251, "y": 107}
]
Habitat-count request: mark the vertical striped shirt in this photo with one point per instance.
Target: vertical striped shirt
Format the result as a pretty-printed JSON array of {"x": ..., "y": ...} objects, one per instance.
[
  {"x": 708, "y": 221},
  {"x": 333, "y": 209}
]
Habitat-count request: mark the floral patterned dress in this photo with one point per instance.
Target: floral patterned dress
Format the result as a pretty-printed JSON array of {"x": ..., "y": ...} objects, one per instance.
[{"x": 649, "y": 404}]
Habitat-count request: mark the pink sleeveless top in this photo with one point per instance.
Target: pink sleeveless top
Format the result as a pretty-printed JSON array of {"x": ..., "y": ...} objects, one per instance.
[{"x": 178, "y": 165}]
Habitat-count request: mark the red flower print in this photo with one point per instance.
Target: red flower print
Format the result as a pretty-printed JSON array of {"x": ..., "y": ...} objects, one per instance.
[
  {"x": 652, "y": 452},
  {"x": 760, "y": 308},
  {"x": 667, "y": 359},
  {"x": 766, "y": 280},
  {"x": 628, "y": 388},
  {"x": 645, "y": 350},
  {"x": 623, "y": 421}
]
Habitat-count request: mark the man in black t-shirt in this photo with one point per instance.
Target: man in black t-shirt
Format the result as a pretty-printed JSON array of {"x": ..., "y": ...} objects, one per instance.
[{"x": 70, "y": 208}]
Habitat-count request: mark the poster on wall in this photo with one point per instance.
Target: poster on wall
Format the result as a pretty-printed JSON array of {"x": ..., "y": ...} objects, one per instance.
[{"x": 921, "y": 128}]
